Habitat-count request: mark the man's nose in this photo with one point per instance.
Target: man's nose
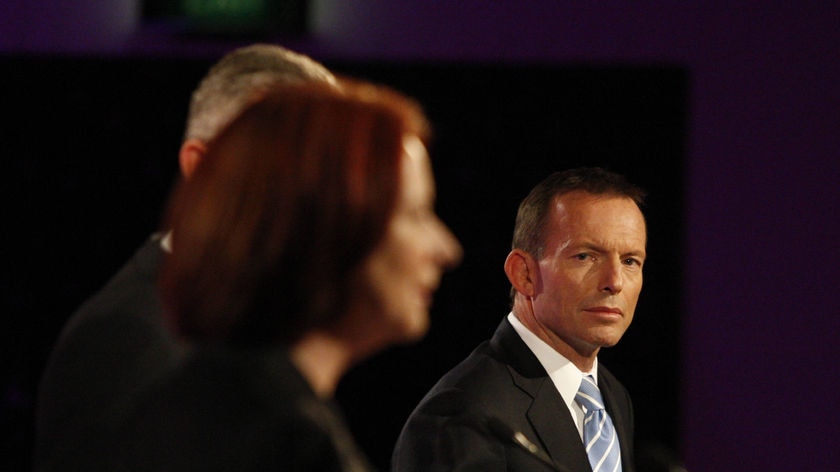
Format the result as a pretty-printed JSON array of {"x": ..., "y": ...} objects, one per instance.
[{"x": 612, "y": 280}]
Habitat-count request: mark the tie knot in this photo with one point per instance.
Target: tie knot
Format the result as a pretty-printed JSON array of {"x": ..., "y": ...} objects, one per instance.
[{"x": 588, "y": 395}]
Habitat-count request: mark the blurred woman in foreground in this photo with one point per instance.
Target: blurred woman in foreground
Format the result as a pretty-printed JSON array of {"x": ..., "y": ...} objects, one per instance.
[{"x": 305, "y": 241}]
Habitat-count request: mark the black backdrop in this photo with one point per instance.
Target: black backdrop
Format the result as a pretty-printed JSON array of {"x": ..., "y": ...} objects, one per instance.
[{"x": 89, "y": 152}]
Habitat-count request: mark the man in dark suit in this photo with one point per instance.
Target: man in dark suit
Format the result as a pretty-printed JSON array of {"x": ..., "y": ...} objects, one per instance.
[
  {"x": 529, "y": 398},
  {"x": 116, "y": 344}
]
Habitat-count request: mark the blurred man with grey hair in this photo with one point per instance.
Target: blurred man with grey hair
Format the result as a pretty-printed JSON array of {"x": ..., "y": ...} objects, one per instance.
[{"x": 116, "y": 343}]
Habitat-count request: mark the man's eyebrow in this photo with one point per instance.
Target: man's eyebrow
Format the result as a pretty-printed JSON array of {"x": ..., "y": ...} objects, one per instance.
[
  {"x": 639, "y": 254},
  {"x": 595, "y": 247},
  {"x": 583, "y": 245}
]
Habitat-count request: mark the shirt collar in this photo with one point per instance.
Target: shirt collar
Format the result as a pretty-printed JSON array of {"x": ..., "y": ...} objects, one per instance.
[{"x": 562, "y": 372}]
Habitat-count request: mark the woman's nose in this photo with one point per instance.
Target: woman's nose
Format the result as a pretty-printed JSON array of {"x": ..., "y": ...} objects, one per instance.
[{"x": 449, "y": 249}]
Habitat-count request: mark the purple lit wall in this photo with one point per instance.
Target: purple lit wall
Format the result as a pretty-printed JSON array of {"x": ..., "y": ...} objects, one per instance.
[{"x": 761, "y": 315}]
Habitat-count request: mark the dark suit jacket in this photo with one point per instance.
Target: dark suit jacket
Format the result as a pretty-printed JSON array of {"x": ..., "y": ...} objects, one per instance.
[
  {"x": 111, "y": 348},
  {"x": 234, "y": 410},
  {"x": 503, "y": 379}
]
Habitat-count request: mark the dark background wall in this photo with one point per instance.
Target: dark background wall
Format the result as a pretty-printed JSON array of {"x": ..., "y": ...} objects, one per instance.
[
  {"x": 105, "y": 167},
  {"x": 754, "y": 203}
]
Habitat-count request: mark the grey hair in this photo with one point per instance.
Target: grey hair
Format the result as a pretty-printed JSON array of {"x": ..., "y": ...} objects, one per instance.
[{"x": 231, "y": 83}]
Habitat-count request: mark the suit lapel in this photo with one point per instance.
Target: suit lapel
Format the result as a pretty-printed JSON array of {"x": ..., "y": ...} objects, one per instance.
[
  {"x": 621, "y": 414},
  {"x": 555, "y": 428},
  {"x": 547, "y": 414}
]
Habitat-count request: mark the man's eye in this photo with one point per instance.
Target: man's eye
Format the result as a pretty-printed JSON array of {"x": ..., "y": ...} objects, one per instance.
[
  {"x": 582, "y": 257},
  {"x": 632, "y": 262}
]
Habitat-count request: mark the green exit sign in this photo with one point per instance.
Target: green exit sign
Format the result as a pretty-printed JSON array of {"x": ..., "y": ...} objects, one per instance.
[
  {"x": 231, "y": 17},
  {"x": 226, "y": 10}
]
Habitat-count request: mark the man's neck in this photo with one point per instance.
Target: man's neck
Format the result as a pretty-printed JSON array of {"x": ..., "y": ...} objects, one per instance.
[{"x": 583, "y": 359}]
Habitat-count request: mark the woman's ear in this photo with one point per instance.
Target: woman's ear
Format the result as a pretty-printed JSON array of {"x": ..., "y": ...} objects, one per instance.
[
  {"x": 521, "y": 271},
  {"x": 191, "y": 154}
]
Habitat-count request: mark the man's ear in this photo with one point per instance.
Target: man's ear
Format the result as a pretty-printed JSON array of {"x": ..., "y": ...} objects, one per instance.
[
  {"x": 192, "y": 152},
  {"x": 521, "y": 270}
]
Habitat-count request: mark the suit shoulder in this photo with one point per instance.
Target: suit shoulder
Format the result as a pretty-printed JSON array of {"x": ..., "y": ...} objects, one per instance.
[{"x": 475, "y": 382}]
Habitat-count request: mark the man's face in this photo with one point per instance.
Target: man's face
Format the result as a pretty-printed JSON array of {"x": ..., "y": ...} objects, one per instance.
[{"x": 590, "y": 274}]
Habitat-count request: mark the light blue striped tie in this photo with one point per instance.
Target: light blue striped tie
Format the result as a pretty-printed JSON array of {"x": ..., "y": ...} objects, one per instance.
[{"x": 598, "y": 431}]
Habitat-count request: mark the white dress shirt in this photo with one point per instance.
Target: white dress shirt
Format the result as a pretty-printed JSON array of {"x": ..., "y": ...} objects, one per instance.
[{"x": 565, "y": 375}]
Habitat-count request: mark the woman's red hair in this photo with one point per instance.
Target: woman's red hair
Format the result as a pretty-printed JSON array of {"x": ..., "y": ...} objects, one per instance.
[{"x": 288, "y": 201}]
